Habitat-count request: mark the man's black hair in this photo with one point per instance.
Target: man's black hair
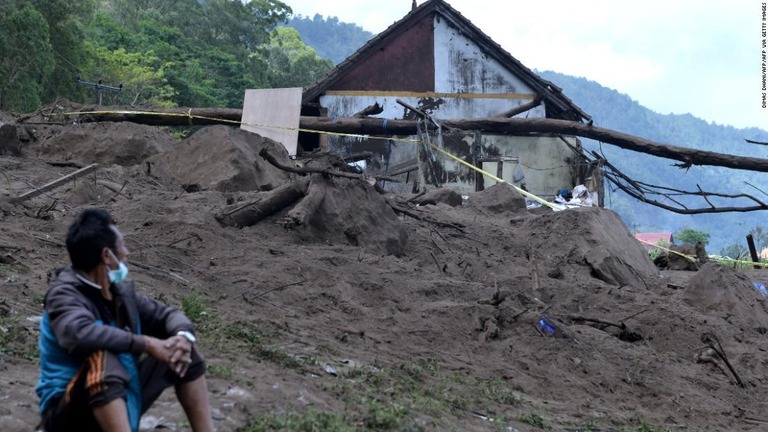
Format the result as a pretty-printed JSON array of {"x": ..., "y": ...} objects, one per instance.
[{"x": 88, "y": 235}]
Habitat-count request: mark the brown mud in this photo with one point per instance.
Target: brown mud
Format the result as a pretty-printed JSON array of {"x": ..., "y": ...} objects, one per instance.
[{"x": 385, "y": 321}]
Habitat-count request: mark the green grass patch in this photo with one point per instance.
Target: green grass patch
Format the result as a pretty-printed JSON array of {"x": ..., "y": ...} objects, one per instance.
[
  {"x": 382, "y": 398},
  {"x": 311, "y": 421},
  {"x": 195, "y": 307},
  {"x": 246, "y": 337},
  {"x": 647, "y": 427},
  {"x": 222, "y": 371},
  {"x": 533, "y": 420},
  {"x": 498, "y": 391},
  {"x": 16, "y": 340}
]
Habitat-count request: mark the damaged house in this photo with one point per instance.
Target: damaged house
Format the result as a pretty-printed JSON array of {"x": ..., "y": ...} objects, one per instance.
[{"x": 435, "y": 64}]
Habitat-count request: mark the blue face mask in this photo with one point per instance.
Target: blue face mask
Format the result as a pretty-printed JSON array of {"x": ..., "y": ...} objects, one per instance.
[{"x": 119, "y": 275}]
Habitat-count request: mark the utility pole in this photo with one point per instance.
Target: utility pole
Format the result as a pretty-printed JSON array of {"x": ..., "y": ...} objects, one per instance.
[{"x": 101, "y": 88}]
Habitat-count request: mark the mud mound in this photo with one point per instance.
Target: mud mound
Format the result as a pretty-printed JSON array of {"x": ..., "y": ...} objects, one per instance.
[
  {"x": 449, "y": 315},
  {"x": 123, "y": 144},
  {"x": 675, "y": 261},
  {"x": 224, "y": 159},
  {"x": 446, "y": 196},
  {"x": 591, "y": 237},
  {"x": 344, "y": 211},
  {"x": 721, "y": 289},
  {"x": 9, "y": 139},
  {"x": 498, "y": 199}
]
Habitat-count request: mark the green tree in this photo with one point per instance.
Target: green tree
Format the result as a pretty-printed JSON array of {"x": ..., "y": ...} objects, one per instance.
[
  {"x": 26, "y": 56},
  {"x": 67, "y": 20},
  {"x": 203, "y": 48},
  {"x": 237, "y": 26},
  {"x": 143, "y": 83},
  {"x": 691, "y": 236},
  {"x": 289, "y": 62}
]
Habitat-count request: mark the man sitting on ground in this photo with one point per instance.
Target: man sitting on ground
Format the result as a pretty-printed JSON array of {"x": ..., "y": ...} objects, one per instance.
[{"x": 107, "y": 352}]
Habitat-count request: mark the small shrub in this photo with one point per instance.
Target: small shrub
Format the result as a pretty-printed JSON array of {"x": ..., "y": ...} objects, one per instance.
[
  {"x": 498, "y": 391},
  {"x": 533, "y": 420},
  {"x": 195, "y": 308},
  {"x": 384, "y": 417}
]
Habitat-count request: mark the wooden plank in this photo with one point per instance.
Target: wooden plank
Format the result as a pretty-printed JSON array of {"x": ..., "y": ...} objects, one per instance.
[
  {"x": 403, "y": 167},
  {"x": 753, "y": 250},
  {"x": 54, "y": 184},
  {"x": 275, "y": 114}
]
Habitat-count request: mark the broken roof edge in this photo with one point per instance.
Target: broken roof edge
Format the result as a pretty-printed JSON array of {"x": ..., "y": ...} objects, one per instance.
[{"x": 565, "y": 107}]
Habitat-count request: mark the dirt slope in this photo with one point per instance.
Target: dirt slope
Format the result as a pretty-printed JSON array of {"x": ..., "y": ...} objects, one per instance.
[{"x": 319, "y": 330}]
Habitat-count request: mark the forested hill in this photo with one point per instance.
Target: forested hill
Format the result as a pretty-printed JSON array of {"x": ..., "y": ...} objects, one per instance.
[
  {"x": 617, "y": 111},
  {"x": 168, "y": 53},
  {"x": 331, "y": 39},
  {"x": 614, "y": 110}
]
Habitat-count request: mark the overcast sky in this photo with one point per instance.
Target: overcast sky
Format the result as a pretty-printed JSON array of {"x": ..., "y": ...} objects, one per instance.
[{"x": 672, "y": 56}]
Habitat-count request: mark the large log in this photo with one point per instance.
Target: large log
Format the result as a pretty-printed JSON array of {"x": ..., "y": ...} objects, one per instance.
[
  {"x": 503, "y": 126},
  {"x": 515, "y": 126},
  {"x": 242, "y": 215},
  {"x": 164, "y": 117}
]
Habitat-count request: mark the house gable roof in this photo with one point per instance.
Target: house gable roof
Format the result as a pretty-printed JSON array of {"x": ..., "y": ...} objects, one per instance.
[{"x": 558, "y": 105}]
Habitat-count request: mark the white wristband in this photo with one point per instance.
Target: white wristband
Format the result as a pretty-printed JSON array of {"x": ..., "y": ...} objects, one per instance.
[{"x": 190, "y": 337}]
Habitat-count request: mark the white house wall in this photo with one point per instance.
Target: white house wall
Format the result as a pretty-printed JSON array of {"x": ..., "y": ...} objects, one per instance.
[
  {"x": 461, "y": 66},
  {"x": 468, "y": 84}
]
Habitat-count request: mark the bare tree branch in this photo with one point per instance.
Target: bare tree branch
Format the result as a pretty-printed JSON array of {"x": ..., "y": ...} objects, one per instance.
[
  {"x": 704, "y": 195},
  {"x": 750, "y": 184},
  {"x": 755, "y": 142},
  {"x": 642, "y": 195}
]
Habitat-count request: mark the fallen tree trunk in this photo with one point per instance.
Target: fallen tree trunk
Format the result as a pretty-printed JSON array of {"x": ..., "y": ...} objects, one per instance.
[
  {"x": 502, "y": 126},
  {"x": 163, "y": 117},
  {"x": 515, "y": 126},
  {"x": 242, "y": 215},
  {"x": 308, "y": 206},
  {"x": 304, "y": 170}
]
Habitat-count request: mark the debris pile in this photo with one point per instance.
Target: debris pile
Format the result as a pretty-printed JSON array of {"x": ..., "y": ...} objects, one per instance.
[
  {"x": 336, "y": 294},
  {"x": 221, "y": 158},
  {"x": 107, "y": 144}
]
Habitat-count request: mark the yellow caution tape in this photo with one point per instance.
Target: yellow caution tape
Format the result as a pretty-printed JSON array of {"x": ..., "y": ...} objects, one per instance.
[
  {"x": 711, "y": 257},
  {"x": 189, "y": 115},
  {"x": 553, "y": 206},
  {"x": 688, "y": 257}
]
